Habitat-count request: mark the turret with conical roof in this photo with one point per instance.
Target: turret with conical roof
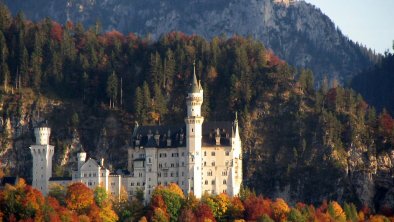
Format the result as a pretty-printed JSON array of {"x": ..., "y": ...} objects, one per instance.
[{"x": 196, "y": 88}]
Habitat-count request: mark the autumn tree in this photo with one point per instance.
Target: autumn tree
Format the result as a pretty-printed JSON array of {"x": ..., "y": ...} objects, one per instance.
[
  {"x": 204, "y": 213},
  {"x": 79, "y": 198},
  {"x": 256, "y": 206},
  {"x": 336, "y": 211},
  {"x": 173, "y": 199}
]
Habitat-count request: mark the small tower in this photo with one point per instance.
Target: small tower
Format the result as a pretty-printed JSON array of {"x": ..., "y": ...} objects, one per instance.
[
  {"x": 42, "y": 154},
  {"x": 236, "y": 169},
  {"x": 81, "y": 158},
  {"x": 194, "y": 122}
]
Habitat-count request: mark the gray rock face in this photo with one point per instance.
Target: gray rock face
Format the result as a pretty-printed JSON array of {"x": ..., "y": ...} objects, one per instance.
[{"x": 296, "y": 31}]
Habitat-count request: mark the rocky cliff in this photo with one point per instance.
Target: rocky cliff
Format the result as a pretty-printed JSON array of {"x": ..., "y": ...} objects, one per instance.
[{"x": 295, "y": 30}]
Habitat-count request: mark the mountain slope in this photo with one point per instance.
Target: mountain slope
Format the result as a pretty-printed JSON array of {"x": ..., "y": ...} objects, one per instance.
[
  {"x": 299, "y": 33},
  {"x": 376, "y": 84}
]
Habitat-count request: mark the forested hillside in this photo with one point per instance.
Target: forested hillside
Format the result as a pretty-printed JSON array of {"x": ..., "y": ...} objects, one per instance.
[
  {"x": 376, "y": 84},
  {"x": 77, "y": 202},
  {"x": 299, "y": 143},
  {"x": 299, "y": 32}
]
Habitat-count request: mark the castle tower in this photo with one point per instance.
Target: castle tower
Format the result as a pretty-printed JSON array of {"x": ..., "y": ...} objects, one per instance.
[
  {"x": 42, "y": 154},
  {"x": 194, "y": 122},
  {"x": 81, "y": 158},
  {"x": 236, "y": 168}
]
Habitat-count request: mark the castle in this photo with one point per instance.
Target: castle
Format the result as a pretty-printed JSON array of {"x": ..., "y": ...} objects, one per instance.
[{"x": 201, "y": 157}]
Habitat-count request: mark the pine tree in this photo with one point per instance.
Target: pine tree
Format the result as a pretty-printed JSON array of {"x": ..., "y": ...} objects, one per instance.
[
  {"x": 5, "y": 17},
  {"x": 138, "y": 104},
  {"x": 147, "y": 101},
  {"x": 169, "y": 71},
  {"x": 160, "y": 103},
  {"x": 36, "y": 60},
  {"x": 4, "y": 70},
  {"x": 306, "y": 81},
  {"x": 112, "y": 89},
  {"x": 155, "y": 72}
]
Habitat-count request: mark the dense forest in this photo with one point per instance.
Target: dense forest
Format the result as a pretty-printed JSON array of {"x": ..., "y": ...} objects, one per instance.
[
  {"x": 79, "y": 203},
  {"x": 376, "y": 84},
  {"x": 295, "y": 138}
]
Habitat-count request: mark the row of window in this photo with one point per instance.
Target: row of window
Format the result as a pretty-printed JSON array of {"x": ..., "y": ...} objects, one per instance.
[
  {"x": 90, "y": 175},
  {"x": 227, "y": 153},
  {"x": 164, "y": 155},
  {"x": 171, "y": 165},
  {"x": 138, "y": 184},
  {"x": 213, "y": 182}
]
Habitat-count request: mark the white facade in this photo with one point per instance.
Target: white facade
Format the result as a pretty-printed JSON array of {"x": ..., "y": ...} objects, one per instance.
[
  {"x": 204, "y": 159},
  {"x": 201, "y": 157}
]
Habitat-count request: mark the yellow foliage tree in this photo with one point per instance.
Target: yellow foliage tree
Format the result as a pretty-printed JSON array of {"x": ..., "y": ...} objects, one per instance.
[
  {"x": 336, "y": 211},
  {"x": 280, "y": 209}
]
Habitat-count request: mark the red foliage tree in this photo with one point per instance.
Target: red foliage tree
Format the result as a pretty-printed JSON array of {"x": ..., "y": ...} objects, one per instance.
[
  {"x": 203, "y": 213},
  {"x": 255, "y": 207},
  {"x": 386, "y": 124},
  {"x": 56, "y": 32}
]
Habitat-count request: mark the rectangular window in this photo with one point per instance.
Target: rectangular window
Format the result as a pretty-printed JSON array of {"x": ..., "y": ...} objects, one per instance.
[
  {"x": 213, "y": 154},
  {"x": 227, "y": 153}
]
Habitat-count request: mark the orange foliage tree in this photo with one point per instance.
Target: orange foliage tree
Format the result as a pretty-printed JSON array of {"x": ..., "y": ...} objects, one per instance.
[
  {"x": 280, "y": 209},
  {"x": 255, "y": 207},
  {"x": 79, "y": 198}
]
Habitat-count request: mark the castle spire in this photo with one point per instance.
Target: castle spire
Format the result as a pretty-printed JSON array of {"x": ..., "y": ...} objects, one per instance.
[
  {"x": 236, "y": 133},
  {"x": 195, "y": 86}
]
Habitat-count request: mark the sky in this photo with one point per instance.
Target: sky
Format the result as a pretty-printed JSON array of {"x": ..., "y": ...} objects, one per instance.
[{"x": 369, "y": 22}]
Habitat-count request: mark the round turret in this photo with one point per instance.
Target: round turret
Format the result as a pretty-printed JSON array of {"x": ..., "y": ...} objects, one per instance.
[
  {"x": 81, "y": 156},
  {"x": 42, "y": 134}
]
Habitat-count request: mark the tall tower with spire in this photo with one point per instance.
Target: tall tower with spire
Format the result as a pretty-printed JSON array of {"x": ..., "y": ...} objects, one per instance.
[
  {"x": 194, "y": 122},
  {"x": 42, "y": 154},
  {"x": 236, "y": 169}
]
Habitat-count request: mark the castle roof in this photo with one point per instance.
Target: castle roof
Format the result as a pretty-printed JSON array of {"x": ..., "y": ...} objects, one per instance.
[
  {"x": 156, "y": 136},
  {"x": 195, "y": 87},
  {"x": 59, "y": 178}
]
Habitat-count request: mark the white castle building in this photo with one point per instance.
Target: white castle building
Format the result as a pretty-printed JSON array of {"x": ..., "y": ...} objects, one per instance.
[{"x": 201, "y": 157}]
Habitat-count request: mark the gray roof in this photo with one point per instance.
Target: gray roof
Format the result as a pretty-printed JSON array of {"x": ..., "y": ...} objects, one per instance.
[
  {"x": 195, "y": 87},
  {"x": 177, "y": 134},
  {"x": 59, "y": 178}
]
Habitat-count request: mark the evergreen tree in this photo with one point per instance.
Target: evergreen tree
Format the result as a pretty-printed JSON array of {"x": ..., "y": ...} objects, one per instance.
[
  {"x": 147, "y": 107},
  {"x": 155, "y": 73},
  {"x": 36, "y": 60},
  {"x": 4, "y": 70},
  {"x": 5, "y": 17},
  {"x": 139, "y": 104},
  {"x": 112, "y": 89},
  {"x": 169, "y": 71},
  {"x": 306, "y": 81},
  {"x": 160, "y": 103}
]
